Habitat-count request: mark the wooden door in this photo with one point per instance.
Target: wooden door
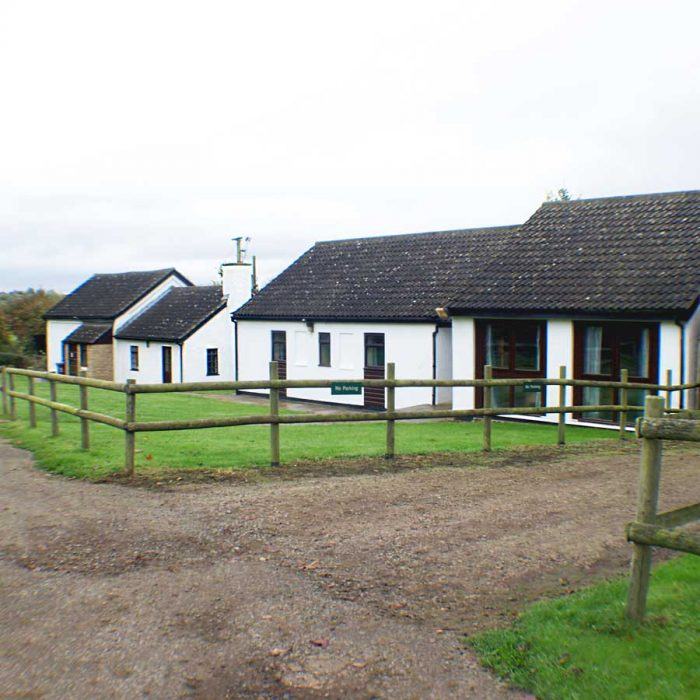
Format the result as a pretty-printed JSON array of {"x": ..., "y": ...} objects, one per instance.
[
  {"x": 279, "y": 354},
  {"x": 72, "y": 359},
  {"x": 374, "y": 369},
  {"x": 167, "y": 364}
]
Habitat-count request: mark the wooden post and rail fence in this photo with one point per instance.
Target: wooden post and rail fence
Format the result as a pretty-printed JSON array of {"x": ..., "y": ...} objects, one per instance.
[
  {"x": 653, "y": 529},
  {"x": 131, "y": 425}
]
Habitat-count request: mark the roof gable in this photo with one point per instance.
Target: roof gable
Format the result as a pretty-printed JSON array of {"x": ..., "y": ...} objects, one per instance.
[
  {"x": 107, "y": 296},
  {"x": 401, "y": 277},
  {"x": 621, "y": 255},
  {"x": 176, "y": 315}
]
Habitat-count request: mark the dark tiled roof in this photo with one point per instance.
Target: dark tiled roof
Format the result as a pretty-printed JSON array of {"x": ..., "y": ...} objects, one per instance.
[
  {"x": 91, "y": 333},
  {"x": 613, "y": 255},
  {"x": 385, "y": 277},
  {"x": 106, "y": 296},
  {"x": 176, "y": 315}
]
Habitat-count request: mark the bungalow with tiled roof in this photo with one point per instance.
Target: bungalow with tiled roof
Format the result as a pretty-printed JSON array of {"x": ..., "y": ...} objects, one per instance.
[
  {"x": 80, "y": 327},
  {"x": 595, "y": 285}
]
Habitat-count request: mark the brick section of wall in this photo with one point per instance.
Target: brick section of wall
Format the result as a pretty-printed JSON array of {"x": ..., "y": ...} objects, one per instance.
[{"x": 100, "y": 362}]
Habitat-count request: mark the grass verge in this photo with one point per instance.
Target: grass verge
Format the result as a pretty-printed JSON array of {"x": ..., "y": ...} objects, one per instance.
[
  {"x": 582, "y": 647},
  {"x": 242, "y": 446}
]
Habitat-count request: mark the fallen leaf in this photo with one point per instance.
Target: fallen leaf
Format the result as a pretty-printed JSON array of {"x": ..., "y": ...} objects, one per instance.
[
  {"x": 278, "y": 651},
  {"x": 321, "y": 642}
]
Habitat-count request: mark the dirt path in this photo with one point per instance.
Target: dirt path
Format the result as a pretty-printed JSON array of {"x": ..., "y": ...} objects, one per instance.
[{"x": 355, "y": 586}]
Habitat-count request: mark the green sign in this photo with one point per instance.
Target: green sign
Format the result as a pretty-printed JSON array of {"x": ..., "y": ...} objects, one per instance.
[
  {"x": 346, "y": 388},
  {"x": 532, "y": 388}
]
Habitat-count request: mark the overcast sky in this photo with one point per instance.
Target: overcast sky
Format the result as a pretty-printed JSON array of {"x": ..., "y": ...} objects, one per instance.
[{"x": 139, "y": 135}]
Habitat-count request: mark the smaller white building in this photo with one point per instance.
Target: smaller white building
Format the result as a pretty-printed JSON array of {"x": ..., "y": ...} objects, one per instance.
[{"x": 186, "y": 335}]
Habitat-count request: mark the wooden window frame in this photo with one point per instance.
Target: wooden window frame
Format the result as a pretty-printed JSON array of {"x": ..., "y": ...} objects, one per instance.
[
  {"x": 579, "y": 327},
  {"x": 369, "y": 344},
  {"x": 283, "y": 335},
  {"x": 212, "y": 353},
  {"x": 510, "y": 372},
  {"x": 324, "y": 339},
  {"x": 134, "y": 355}
]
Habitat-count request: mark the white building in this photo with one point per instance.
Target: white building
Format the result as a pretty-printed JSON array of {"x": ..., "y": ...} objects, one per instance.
[
  {"x": 80, "y": 327},
  {"x": 596, "y": 286}
]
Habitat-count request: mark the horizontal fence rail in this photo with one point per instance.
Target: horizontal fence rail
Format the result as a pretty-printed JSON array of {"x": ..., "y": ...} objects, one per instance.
[{"x": 131, "y": 425}]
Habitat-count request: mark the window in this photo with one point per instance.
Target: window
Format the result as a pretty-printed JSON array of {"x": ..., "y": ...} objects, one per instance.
[
  {"x": 324, "y": 349},
  {"x": 602, "y": 351},
  {"x": 374, "y": 349},
  {"x": 513, "y": 349},
  {"x": 134, "y": 354},
  {"x": 212, "y": 362},
  {"x": 279, "y": 346},
  {"x": 83, "y": 356}
]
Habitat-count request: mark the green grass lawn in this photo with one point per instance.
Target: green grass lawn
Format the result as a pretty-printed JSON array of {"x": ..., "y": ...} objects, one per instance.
[
  {"x": 241, "y": 446},
  {"x": 582, "y": 647}
]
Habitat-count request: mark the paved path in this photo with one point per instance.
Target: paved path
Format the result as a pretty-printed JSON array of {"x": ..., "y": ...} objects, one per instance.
[{"x": 337, "y": 587}]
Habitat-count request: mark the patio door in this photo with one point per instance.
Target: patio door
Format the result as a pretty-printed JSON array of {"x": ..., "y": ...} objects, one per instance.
[
  {"x": 167, "y": 355},
  {"x": 279, "y": 354},
  {"x": 374, "y": 369},
  {"x": 602, "y": 349},
  {"x": 515, "y": 349}
]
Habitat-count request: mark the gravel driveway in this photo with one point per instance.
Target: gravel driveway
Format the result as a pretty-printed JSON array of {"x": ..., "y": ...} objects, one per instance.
[{"x": 323, "y": 586}]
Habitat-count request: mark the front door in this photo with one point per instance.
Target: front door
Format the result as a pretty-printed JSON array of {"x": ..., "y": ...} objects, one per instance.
[
  {"x": 374, "y": 369},
  {"x": 279, "y": 355},
  {"x": 167, "y": 364},
  {"x": 72, "y": 359}
]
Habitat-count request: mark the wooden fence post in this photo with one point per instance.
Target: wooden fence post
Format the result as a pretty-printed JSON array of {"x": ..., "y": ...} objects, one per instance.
[
  {"x": 624, "y": 378},
  {"x": 647, "y": 503},
  {"x": 390, "y": 407},
  {"x": 669, "y": 381},
  {"x": 53, "y": 395},
  {"x": 84, "y": 422},
  {"x": 32, "y": 405},
  {"x": 274, "y": 412},
  {"x": 13, "y": 401},
  {"x": 129, "y": 435},
  {"x": 5, "y": 407},
  {"x": 488, "y": 376},
  {"x": 561, "y": 431}
]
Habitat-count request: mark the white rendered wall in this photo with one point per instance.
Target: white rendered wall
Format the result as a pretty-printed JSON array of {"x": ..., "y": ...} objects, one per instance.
[
  {"x": 443, "y": 360},
  {"x": 216, "y": 333},
  {"x": 409, "y": 345},
  {"x": 670, "y": 356},
  {"x": 150, "y": 369},
  {"x": 56, "y": 332},
  {"x": 692, "y": 338},
  {"x": 463, "y": 360},
  {"x": 560, "y": 352}
]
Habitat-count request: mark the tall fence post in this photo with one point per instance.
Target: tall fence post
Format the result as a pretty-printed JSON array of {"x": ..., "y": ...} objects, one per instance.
[
  {"x": 561, "y": 429},
  {"x": 274, "y": 412},
  {"x": 129, "y": 435},
  {"x": 669, "y": 394},
  {"x": 84, "y": 422},
  {"x": 390, "y": 407},
  {"x": 5, "y": 407},
  {"x": 32, "y": 406},
  {"x": 488, "y": 375},
  {"x": 53, "y": 395},
  {"x": 647, "y": 503},
  {"x": 624, "y": 378},
  {"x": 13, "y": 401}
]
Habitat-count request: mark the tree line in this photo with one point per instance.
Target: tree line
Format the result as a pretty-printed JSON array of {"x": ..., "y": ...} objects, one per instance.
[{"x": 22, "y": 326}]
